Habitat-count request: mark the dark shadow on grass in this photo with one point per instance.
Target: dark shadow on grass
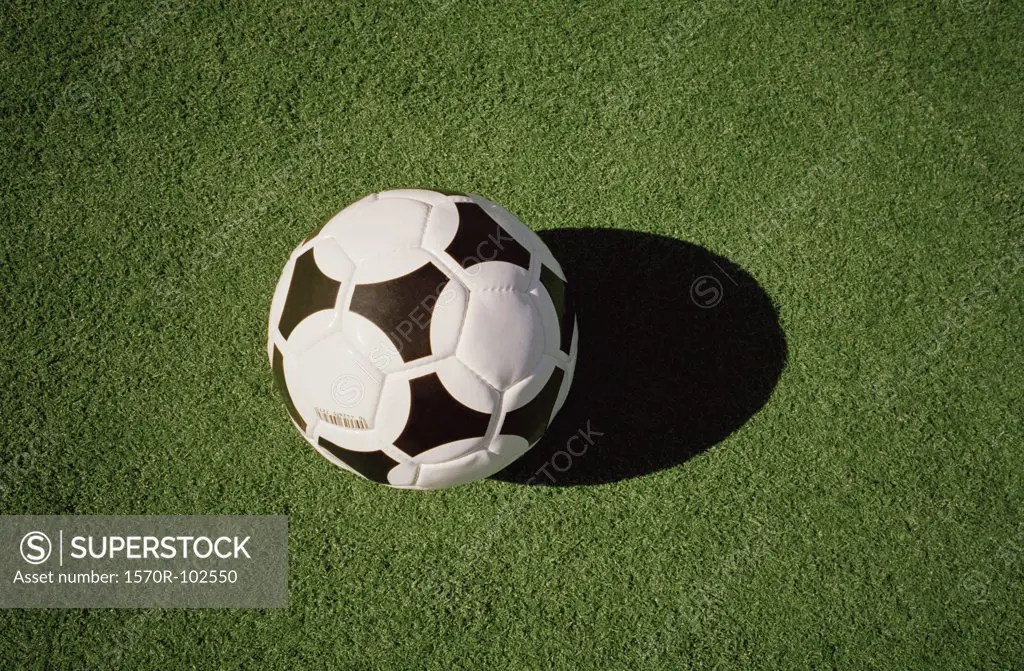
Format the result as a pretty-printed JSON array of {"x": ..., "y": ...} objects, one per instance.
[{"x": 678, "y": 349}]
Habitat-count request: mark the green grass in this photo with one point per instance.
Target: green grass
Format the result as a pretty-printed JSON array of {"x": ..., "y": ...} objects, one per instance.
[{"x": 861, "y": 160}]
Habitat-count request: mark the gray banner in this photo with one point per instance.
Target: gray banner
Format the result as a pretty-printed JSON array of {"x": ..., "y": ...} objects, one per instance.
[{"x": 168, "y": 561}]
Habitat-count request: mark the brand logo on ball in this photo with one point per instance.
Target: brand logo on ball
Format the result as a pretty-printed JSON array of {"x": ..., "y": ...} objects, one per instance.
[
  {"x": 36, "y": 547},
  {"x": 341, "y": 419}
]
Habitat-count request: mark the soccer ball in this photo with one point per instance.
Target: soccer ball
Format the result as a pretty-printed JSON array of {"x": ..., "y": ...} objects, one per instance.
[{"x": 422, "y": 339}]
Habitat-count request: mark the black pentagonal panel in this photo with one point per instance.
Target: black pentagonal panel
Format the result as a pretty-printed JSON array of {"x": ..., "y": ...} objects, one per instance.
[
  {"x": 282, "y": 388},
  {"x": 531, "y": 420},
  {"x": 402, "y": 308},
  {"x": 436, "y": 418},
  {"x": 371, "y": 465},
  {"x": 310, "y": 291},
  {"x": 559, "y": 292},
  {"x": 480, "y": 238}
]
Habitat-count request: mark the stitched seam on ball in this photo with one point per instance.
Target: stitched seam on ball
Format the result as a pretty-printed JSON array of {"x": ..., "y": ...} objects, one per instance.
[
  {"x": 426, "y": 223},
  {"x": 535, "y": 268},
  {"x": 323, "y": 237},
  {"x": 497, "y": 419},
  {"x": 539, "y": 364},
  {"x": 448, "y": 270},
  {"x": 531, "y": 374},
  {"x": 540, "y": 321},
  {"x": 481, "y": 377},
  {"x": 380, "y": 396},
  {"x": 412, "y": 367},
  {"x": 462, "y": 324}
]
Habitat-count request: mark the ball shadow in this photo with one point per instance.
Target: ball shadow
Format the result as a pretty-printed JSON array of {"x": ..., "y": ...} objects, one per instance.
[{"x": 678, "y": 348}]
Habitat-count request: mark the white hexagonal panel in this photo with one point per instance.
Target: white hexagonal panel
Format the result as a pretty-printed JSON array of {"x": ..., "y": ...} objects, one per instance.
[
  {"x": 375, "y": 226},
  {"x": 332, "y": 261},
  {"x": 503, "y": 338},
  {"x": 331, "y": 382}
]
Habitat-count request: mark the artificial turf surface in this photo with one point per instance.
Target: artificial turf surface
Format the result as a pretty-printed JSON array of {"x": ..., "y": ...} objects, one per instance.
[{"x": 861, "y": 161}]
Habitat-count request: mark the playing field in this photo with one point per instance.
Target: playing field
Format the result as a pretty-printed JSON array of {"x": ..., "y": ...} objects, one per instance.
[{"x": 796, "y": 234}]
